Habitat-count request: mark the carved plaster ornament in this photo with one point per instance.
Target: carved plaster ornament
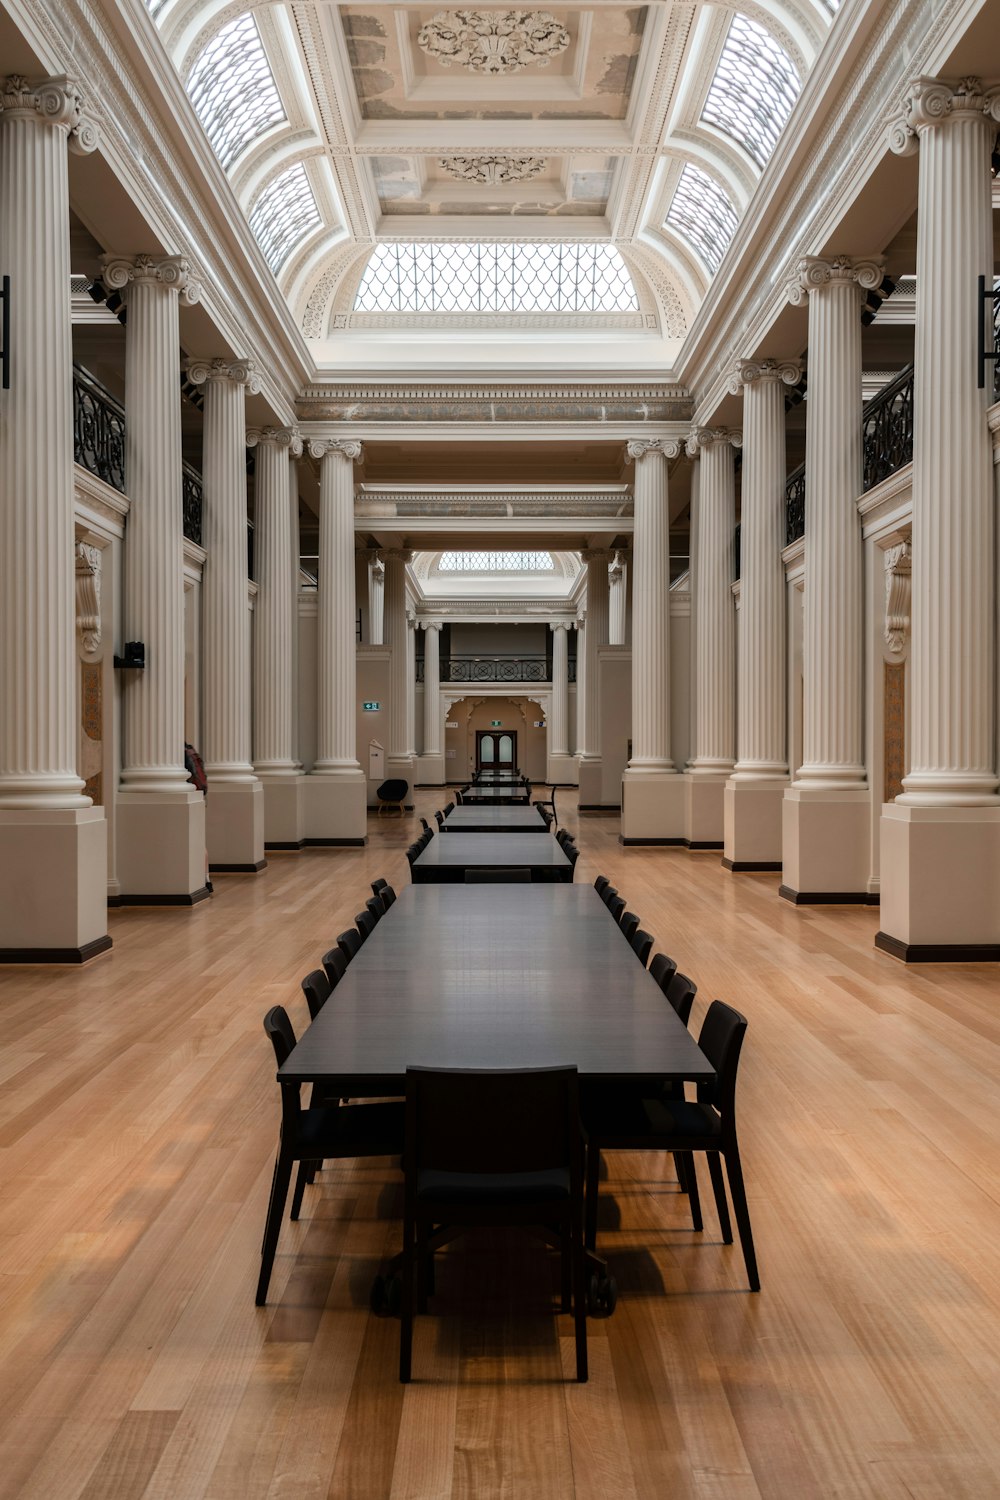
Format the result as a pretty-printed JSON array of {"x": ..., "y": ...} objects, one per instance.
[
  {"x": 493, "y": 41},
  {"x": 933, "y": 101},
  {"x": 88, "y": 595},
  {"x": 492, "y": 170},
  {"x": 897, "y": 596},
  {"x": 639, "y": 448},
  {"x": 58, "y": 100}
]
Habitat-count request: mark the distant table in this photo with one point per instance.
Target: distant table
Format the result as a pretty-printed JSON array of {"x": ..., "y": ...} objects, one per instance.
[
  {"x": 501, "y": 976},
  {"x": 495, "y": 776},
  {"x": 498, "y": 792},
  {"x": 495, "y": 820},
  {"x": 447, "y": 859}
]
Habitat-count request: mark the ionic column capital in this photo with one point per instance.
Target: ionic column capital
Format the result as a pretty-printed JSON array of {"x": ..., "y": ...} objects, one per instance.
[
  {"x": 429, "y": 625},
  {"x": 277, "y": 437},
  {"x": 564, "y": 625},
  {"x": 760, "y": 371},
  {"x": 639, "y": 448},
  {"x": 172, "y": 272},
  {"x": 396, "y": 554},
  {"x": 236, "y": 371},
  {"x": 597, "y": 554},
  {"x": 932, "y": 102},
  {"x": 348, "y": 448},
  {"x": 51, "y": 101},
  {"x": 712, "y": 437},
  {"x": 814, "y": 273}
]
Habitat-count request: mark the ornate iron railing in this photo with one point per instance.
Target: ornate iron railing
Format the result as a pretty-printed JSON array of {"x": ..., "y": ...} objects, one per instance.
[
  {"x": 737, "y": 538},
  {"x": 98, "y": 430},
  {"x": 191, "y": 490},
  {"x": 795, "y": 505},
  {"x": 465, "y": 668},
  {"x": 887, "y": 429}
]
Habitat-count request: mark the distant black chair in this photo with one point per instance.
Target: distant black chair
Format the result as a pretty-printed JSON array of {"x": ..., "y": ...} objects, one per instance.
[
  {"x": 426, "y": 826},
  {"x": 562, "y": 835},
  {"x": 387, "y": 896},
  {"x": 608, "y": 895},
  {"x": 662, "y": 969},
  {"x": 365, "y": 923},
  {"x": 378, "y": 885},
  {"x": 412, "y": 853},
  {"x": 439, "y": 820},
  {"x": 335, "y": 964},
  {"x": 572, "y": 853},
  {"x": 316, "y": 1134},
  {"x": 349, "y": 943},
  {"x": 642, "y": 943},
  {"x": 618, "y": 1121},
  {"x": 629, "y": 924},
  {"x": 487, "y": 876},
  {"x": 449, "y": 807},
  {"x": 601, "y": 884},
  {"x": 616, "y": 906},
  {"x": 680, "y": 992},
  {"x": 375, "y": 906},
  {"x": 392, "y": 794},
  {"x": 497, "y": 1149},
  {"x": 317, "y": 989}
]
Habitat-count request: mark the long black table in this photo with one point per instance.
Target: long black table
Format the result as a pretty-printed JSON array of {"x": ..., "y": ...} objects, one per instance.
[
  {"x": 495, "y": 820},
  {"x": 497, "y": 795},
  {"x": 498, "y": 976},
  {"x": 446, "y": 860}
]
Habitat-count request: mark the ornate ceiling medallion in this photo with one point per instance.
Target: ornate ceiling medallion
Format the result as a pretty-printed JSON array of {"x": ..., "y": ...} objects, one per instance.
[
  {"x": 492, "y": 170},
  {"x": 493, "y": 41}
]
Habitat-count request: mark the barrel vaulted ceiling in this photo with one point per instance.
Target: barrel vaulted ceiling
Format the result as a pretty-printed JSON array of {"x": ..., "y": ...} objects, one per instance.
[{"x": 495, "y": 163}]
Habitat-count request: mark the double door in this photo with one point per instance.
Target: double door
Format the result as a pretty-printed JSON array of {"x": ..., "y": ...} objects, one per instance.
[{"x": 496, "y": 750}]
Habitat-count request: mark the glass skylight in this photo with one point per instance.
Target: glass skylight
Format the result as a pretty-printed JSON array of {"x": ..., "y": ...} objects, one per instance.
[
  {"x": 233, "y": 90},
  {"x": 496, "y": 562},
  {"x": 283, "y": 215},
  {"x": 754, "y": 89},
  {"x": 519, "y": 277},
  {"x": 702, "y": 213}
]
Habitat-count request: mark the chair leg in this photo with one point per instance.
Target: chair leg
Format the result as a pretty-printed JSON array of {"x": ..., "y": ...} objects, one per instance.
[
  {"x": 302, "y": 1176},
  {"x": 580, "y": 1301},
  {"x": 406, "y": 1306},
  {"x": 590, "y": 1209},
  {"x": 691, "y": 1188},
  {"x": 719, "y": 1189},
  {"x": 742, "y": 1212},
  {"x": 275, "y": 1211},
  {"x": 566, "y": 1272}
]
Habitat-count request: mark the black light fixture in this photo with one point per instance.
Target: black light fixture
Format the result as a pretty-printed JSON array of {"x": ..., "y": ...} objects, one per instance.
[
  {"x": 5, "y": 334},
  {"x": 987, "y": 295},
  {"x": 135, "y": 656}
]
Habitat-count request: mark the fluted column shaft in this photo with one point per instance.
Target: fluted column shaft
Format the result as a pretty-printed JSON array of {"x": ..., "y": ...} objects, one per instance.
[
  {"x": 597, "y": 561},
  {"x": 432, "y": 688},
  {"x": 952, "y": 654},
  {"x": 714, "y": 620},
  {"x": 294, "y": 587},
  {"x": 832, "y": 650},
  {"x": 559, "y": 717},
  {"x": 225, "y": 612},
  {"x": 411, "y": 683},
  {"x": 651, "y": 607},
  {"x": 38, "y": 722},
  {"x": 273, "y": 657},
  {"x": 617, "y": 611},
  {"x": 581, "y": 682},
  {"x": 376, "y": 599},
  {"x": 336, "y": 689},
  {"x": 396, "y": 632}
]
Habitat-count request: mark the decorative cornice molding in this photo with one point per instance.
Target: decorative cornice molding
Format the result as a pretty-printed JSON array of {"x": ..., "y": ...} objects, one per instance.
[
  {"x": 280, "y": 437},
  {"x": 814, "y": 273},
  {"x": 55, "y": 101},
  {"x": 239, "y": 371},
  {"x": 711, "y": 437},
  {"x": 173, "y": 272},
  {"x": 750, "y": 371},
  {"x": 347, "y": 448},
  {"x": 932, "y": 102}
]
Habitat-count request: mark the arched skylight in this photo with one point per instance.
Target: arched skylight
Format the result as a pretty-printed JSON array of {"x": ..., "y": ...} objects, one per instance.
[
  {"x": 496, "y": 562},
  {"x": 502, "y": 278},
  {"x": 233, "y": 90},
  {"x": 702, "y": 213},
  {"x": 754, "y": 89},
  {"x": 283, "y": 215}
]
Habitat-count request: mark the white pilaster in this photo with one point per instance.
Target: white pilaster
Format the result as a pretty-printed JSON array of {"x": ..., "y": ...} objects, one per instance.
[
  {"x": 580, "y": 725},
  {"x": 376, "y": 599},
  {"x": 597, "y": 560},
  {"x": 274, "y": 698},
  {"x": 653, "y": 798},
  {"x": 431, "y": 767},
  {"x": 400, "y": 760},
  {"x": 336, "y": 789},
  {"x": 714, "y": 635},
  {"x": 940, "y": 839},
  {"x": 53, "y": 842},
  {"x": 617, "y": 597},
  {"x": 560, "y": 768},
  {"x": 755, "y": 791},
  {"x": 826, "y": 826},
  {"x": 235, "y": 801}
]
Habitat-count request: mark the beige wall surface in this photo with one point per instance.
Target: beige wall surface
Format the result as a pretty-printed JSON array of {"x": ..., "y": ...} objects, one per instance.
[{"x": 516, "y": 714}]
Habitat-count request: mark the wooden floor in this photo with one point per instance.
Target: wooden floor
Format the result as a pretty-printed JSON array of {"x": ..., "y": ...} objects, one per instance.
[{"x": 139, "y": 1116}]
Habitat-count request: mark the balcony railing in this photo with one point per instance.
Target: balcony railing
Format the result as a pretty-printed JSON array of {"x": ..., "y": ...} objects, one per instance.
[
  {"x": 191, "y": 489},
  {"x": 465, "y": 668},
  {"x": 887, "y": 429},
  {"x": 795, "y": 505},
  {"x": 98, "y": 431}
]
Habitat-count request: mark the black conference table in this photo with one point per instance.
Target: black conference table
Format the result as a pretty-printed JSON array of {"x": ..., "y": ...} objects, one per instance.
[
  {"x": 445, "y": 860},
  {"x": 494, "y": 820},
  {"x": 492, "y": 777},
  {"x": 497, "y": 793},
  {"x": 499, "y": 976}
]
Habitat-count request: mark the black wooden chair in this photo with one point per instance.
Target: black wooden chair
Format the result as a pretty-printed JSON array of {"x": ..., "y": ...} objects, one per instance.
[
  {"x": 377, "y": 909},
  {"x": 392, "y": 794},
  {"x": 317, "y": 989},
  {"x": 335, "y": 963},
  {"x": 378, "y": 885},
  {"x": 426, "y": 826},
  {"x": 349, "y": 943},
  {"x": 439, "y": 820},
  {"x": 492, "y": 1148},
  {"x": 387, "y": 896},
  {"x": 619, "y": 1121},
  {"x": 449, "y": 807},
  {"x": 601, "y": 884},
  {"x": 412, "y": 853},
  {"x": 365, "y": 922},
  {"x": 608, "y": 895},
  {"x": 642, "y": 944},
  {"x": 629, "y": 924},
  {"x": 325, "y": 1132},
  {"x": 663, "y": 969}
]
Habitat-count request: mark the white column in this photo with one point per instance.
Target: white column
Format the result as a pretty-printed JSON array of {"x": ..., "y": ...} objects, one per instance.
[
  {"x": 653, "y": 796},
  {"x": 754, "y": 793},
  {"x": 826, "y": 832},
  {"x": 296, "y": 564},
  {"x": 376, "y": 599},
  {"x": 590, "y": 768},
  {"x": 617, "y": 592},
  {"x": 274, "y": 698},
  {"x": 942, "y": 835},
  {"x": 560, "y": 765},
  {"x": 399, "y": 756},
  {"x": 53, "y": 842},
  {"x": 580, "y": 728},
  {"x": 336, "y": 789},
  {"x": 411, "y": 684},
  {"x": 161, "y": 827},
  {"x": 235, "y": 804},
  {"x": 713, "y": 635},
  {"x": 432, "y": 759}
]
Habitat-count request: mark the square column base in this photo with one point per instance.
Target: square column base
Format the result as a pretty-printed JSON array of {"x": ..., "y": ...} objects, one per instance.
[
  {"x": 562, "y": 770},
  {"x": 429, "y": 770},
  {"x": 940, "y": 878},
  {"x": 402, "y": 768},
  {"x": 53, "y": 886},
  {"x": 161, "y": 848},
  {"x": 654, "y": 808},
  {"x": 704, "y": 815},
  {"x": 283, "y": 811},
  {"x": 826, "y": 847},
  {"x": 234, "y": 820},
  {"x": 335, "y": 808},
  {"x": 591, "y": 776},
  {"x": 751, "y": 823}
]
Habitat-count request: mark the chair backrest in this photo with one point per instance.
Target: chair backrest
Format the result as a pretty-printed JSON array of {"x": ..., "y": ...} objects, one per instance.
[
  {"x": 487, "y": 876},
  {"x": 374, "y": 905},
  {"x": 616, "y": 906},
  {"x": 439, "y": 818},
  {"x": 572, "y": 853},
  {"x": 282, "y": 1034},
  {"x": 412, "y": 852},
  {"x": 680, "y": 991},
  {"x": 608, "y": 895},
  {"x": 642, "y": 942},
  {"x": 482, "y": 1120},
  {"x": 378, "y": 885},
  {"x": 562, "y": 836},
  {"x": 335, "y": 964},
  {"x": 316, "y": 987},
  {"x": 388, "y": 896},
  {"x": 426, "y": 825},
  {"x": 365, "y": 923},
  {"x": 721, "y": 1040},
  {"x": 629, "y": 924},
  {"x": 449, "y": 807},
  {"x": 601, "y": 884},
  {"x": 662, "y": 969},
  {"x": 349, "y": 942}
]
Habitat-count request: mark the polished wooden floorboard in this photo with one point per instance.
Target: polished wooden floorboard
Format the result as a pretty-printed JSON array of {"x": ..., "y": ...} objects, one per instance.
[{"x": 138, "y": 1117}]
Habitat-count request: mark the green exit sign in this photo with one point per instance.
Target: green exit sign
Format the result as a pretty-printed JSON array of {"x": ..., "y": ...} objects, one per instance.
[
  {"x": 495, "y": 723},
  {"x": 371, "y": 708}
]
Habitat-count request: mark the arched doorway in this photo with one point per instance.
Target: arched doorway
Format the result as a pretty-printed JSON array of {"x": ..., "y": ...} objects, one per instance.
[{"x": 496, "y": 749}]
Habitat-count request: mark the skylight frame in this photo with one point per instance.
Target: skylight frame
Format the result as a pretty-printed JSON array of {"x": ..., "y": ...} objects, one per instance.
[
  {"x": 284, "y": 214},
  {"x": 462, "y": 277},
  {"x": 754, "y": 89},
  {"x": 233, "y": 90},
  {"x": 490, "y": 562},
  {"x": 703, "y": 214}
]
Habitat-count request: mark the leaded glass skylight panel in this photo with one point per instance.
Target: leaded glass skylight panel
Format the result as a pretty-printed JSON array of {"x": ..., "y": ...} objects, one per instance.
[
  {"x": 233, "y": 90},
  {"x": 703, "y": 214},
  {"x": 496, "y": 562},
  {"x": 283, "y": 215},
  {"x": 501, "y": 278},
  {"x": 754, "y": 89}
]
